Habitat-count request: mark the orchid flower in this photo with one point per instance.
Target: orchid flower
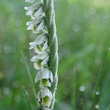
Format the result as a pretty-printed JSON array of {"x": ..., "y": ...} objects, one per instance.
[
  {"x": 45, "y": 76},
  {"x": 45, "y": 96}
]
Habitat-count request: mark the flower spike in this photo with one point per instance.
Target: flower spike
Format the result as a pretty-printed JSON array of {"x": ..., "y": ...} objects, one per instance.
[{"x": 45, "y": 59}]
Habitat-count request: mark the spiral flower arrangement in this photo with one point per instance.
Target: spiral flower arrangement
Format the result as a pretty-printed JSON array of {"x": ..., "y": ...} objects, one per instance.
[{"x": 46, "y": 50}]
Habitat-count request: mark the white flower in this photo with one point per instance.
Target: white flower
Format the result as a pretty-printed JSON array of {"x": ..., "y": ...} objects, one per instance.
[
  {"x": 40, "y": 60},
  {"x": 36, "y": 25},
  {"x": 45, "y": 96},
  {"x": 35, "y": 10},
  {"x": 31, "y": 1},
  {"x": 40, "y": 43},
  {"x": 40, "y": 63},
  {"x": 44, "y": 76}
]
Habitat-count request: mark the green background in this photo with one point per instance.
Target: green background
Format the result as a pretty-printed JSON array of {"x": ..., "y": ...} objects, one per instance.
[{"x": 83, "y": 30}]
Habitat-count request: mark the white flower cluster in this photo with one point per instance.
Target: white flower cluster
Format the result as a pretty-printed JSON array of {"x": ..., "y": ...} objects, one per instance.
[{"x": 40, "y": 46}]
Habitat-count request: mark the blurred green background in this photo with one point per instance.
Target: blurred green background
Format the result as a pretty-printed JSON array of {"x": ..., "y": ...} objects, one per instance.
[{"x": 83, "y": 30}]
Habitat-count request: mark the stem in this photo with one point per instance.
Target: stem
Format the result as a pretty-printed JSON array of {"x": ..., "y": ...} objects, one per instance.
[
  {"x": 53, "y": 44},
  {"x": 73, "y": 98}
]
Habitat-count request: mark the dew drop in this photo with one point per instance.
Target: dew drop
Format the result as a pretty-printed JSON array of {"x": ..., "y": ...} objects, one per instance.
[
  {"x": 97, "y": 93},
  {"x": 17, "y": 98},
  {"x": 92, "y": 10},
  {"x": 18, "y": 23},
  {"x": 82, "y": 88},
  {"x": 109, "y": 49},
  {"x": 96, "y": 106},
  {"x": 105, "y": 19},
  {"x": 76, "y": 27},
  {"x": 6, "y": 91},
  {"x": 7, "y": 49}
]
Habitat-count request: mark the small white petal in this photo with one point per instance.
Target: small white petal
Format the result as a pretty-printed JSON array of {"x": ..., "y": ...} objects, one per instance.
[
  {"x": 30, "y": 27},
  {"x": 45, "y": 46},
  {"x": 44, "y": 74},
  {"x": 35, "y": 21},
  {"x": 41, "y": 38},
  {"x": 38, "y": 98},
  {"x": 29, "y": 12},
  {"x": 41, "y": 56},
  {"x": 31, "y": 1},
  {"x": 39, "y": 12},
  {"x": 41, "y": 26},
  {"x": 35, "y": 6},
  {"x": 45, "y": 61},
  {"x": 33, "y": 59},
  {"x": 32, "y": 45}
]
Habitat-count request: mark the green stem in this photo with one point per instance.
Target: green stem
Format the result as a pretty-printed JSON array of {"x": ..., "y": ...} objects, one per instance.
[
  {"x": 53, "y": 44},
  {"x": 73, "y": 98}
]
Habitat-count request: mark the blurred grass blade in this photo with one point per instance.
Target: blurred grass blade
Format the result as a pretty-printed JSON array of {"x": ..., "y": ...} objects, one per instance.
[
  {"x": 73, "y": 98},
  {"x": 101, "y": 74},
  {"x": 26, "y": 96},
  {"x": 30, "y": 78},
  {"x": 104, "y": 97},
  {"x": 74, "y": 58},
  {"x": 108, "y": 107}
]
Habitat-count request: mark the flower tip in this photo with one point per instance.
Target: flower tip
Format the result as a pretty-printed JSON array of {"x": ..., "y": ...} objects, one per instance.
[
  {"x": 31, "y": 1},
  {"x": 30, "y": 43},
  {"x": 29, "y": 28},
  {"x": 25, "y": 8},
  {"x": 35, "y": 32},
  {"x": 27, "y": 23},
  {"x": 28, "y": 12}
]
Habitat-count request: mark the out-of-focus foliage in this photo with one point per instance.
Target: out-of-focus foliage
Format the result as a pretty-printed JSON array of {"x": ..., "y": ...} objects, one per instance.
[{"x": 83, "y": 29}]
